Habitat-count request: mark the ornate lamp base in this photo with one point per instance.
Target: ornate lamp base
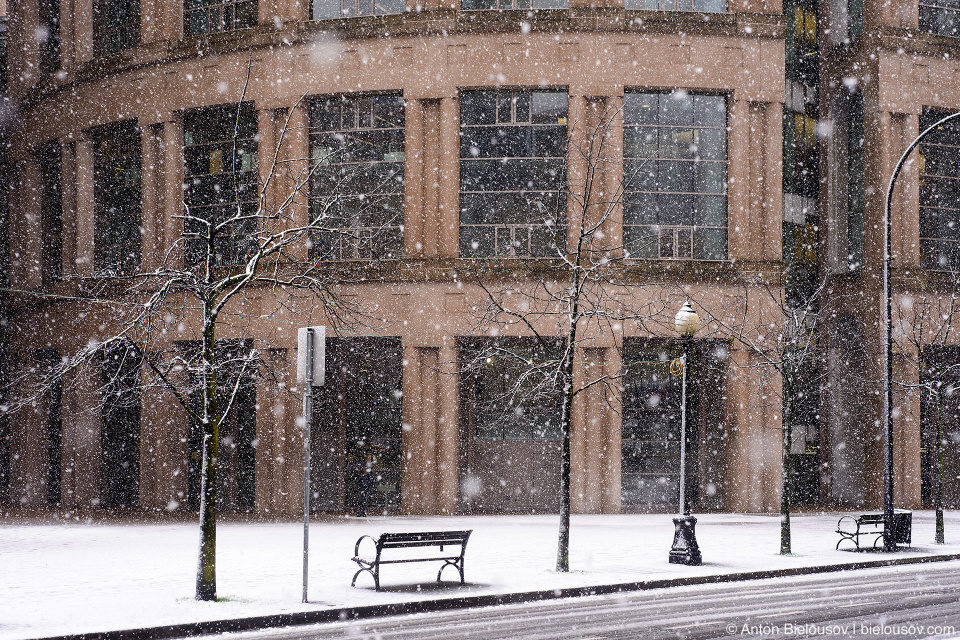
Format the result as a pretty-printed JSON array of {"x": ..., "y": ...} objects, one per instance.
[{"x": 685, "y": 548}]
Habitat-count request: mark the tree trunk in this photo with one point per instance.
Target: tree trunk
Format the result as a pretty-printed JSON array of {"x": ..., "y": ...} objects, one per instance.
[
  {"x": 207, "y": 564},
  {"x": 786, "y": 483},
  {"x": 563, "y": 546}
]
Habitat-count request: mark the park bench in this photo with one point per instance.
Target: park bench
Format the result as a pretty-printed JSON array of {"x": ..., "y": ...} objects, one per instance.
[
  {"x": 395, "y": 542},
  {"x": 872, "y": 524}
]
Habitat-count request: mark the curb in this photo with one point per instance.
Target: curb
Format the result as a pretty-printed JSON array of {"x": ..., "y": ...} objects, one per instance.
[{"x": 466, "y": 602}]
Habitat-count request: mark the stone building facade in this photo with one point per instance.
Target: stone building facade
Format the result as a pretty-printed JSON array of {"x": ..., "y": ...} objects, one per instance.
[{"x": 464, "y": 113}]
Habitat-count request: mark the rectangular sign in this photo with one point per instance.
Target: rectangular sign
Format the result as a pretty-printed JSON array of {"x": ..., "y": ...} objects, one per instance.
[{"x": 319, "y": 354}]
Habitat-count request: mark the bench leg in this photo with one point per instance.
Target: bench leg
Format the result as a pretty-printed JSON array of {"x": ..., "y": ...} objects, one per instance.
[
  {"x": 455, "y": 565},
  {"x": 374, "y": 573}
]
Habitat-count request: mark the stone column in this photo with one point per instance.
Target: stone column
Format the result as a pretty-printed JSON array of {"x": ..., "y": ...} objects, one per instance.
[
  {"x": 172, "y": 182},
  {"x": 739, "y": 152},
  {"x": 448, "y": 215},
  {"x": 577, "y": 130},
  {"x": 68, "y": 154},
  {"x": 268, "y": 164},
  {"x": 25, "y": 230},
  {"x": 86, "y": 217},
  {"x": 448, "y": 433},
  {"x": 413, "y": 172},
  {"x": 296, "y": 148},
  {"x": 171, "y": 20},
  {"x": 82, "y": 27},
  {"x": 151, "y": 218}
]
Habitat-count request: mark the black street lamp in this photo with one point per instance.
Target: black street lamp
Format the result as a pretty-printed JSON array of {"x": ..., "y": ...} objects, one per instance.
[
  {"x": 889, "y": 540},
  {"x": 685, "y": 549}
]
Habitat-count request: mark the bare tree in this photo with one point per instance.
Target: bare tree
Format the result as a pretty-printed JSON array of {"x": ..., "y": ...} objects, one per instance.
[
  {"x": 567, "y": 297},
  {"x": 925, "y": 328},
  {"x": 260, "y": 240}
]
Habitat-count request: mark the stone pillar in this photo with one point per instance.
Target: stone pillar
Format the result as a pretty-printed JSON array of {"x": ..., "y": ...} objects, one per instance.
[
  {"x": 431, "y": 178},
  {"x": 897, "y": 130},
  {"x": 151, "y": 195},
  {"x": 26, "y": 229},
  {"x": 448, "y": 167},
  {"x": 613, "y": 174},
  {"x": 268, "y": 163},
  {"x": 86, "y": 217},
  {"x": 68, "y": 34},
  {"x": 755, "y": 201},
  {"x": 739, "y": 151},
  {"x": 22, "y": 47},
  {"x": 296, "y": 147},
  {"x": 754, "y": 444},
  {"x": 171, "y": 20},
  {"x": 173, "y": 182},
  {"x": 82, "y": 28},
  {"x": 448, "y": 433},
  {"x": 68, "y": 154},
  {"x": 413, "y": 171},
  {"x": 577, "y": 130}
]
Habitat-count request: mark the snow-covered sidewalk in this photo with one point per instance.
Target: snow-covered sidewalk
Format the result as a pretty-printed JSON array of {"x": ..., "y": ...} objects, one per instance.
[{"x": 72, "y": 578}]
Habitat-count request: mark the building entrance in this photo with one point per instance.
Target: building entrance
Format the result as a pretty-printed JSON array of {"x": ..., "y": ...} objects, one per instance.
[
  {"x": 510, "y": 428},
  {"x": 356, "y": 450}
]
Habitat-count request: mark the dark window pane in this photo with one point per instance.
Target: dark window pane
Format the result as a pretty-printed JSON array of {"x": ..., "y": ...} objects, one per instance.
[
  {"x": 117, "y": 198},
  {"x": 512, "y": 172},
  {"x": 357, "y": 147},
  {"x": 664, "y": 199}
]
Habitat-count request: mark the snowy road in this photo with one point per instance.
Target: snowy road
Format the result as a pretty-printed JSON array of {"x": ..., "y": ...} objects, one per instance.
[{"x": 892, "y": 603}]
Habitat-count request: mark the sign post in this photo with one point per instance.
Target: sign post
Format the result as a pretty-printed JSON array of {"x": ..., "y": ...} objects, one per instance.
[{"x": 311, "y": 355}]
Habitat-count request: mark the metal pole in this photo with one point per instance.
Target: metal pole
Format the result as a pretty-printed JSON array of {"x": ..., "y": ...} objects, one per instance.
[
  {"x": 889, "y": 543},
  {"x": 307, "y": 418},
  {"x": 683, "y": 434}
]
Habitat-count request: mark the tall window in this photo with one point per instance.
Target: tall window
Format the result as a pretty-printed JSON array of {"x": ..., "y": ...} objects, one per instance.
[
  {"x": 116, "y": 194},
  {"x": 801, "y": 173},
  {"x": 120, "y": 428},
  {"x": 940, "y": 16},
  {"x": 469, "y": 5},
  {"x": 325, "y": 9},
  {"x": 116, "y": 25},
  {"x": 712, "y": 6},
  {"x": 675, "y": 175},
  {"x": 939, "y": 191},
  {"x": 513, "y": 146},
  {"x": 48, "y": 35},
  {"x": 357, "y": 151},
  {"x": 51, "y": 213},
  {"x": 220, "y": 156},
  {"x": 802, "y": 50},
  {"x": 211, "y": 16},
  {"x": 855, "y": 173},
  {"x": 855, "y": 18}
]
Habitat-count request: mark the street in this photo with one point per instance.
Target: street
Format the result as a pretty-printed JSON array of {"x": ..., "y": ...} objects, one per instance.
[{"x": 903, "y": 602}]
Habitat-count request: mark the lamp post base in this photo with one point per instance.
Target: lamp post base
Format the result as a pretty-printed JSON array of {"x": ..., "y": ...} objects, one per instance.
[{"x": 685, "y": 549}]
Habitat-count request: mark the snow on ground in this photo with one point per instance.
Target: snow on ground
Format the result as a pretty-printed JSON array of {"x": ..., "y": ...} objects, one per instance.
[{"x": 72, "y": 578}]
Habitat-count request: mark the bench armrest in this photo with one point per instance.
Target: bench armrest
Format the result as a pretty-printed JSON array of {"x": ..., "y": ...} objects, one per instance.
[
  {"x": 855, "y": 523},
  {"x": 356, "y": 548}
]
